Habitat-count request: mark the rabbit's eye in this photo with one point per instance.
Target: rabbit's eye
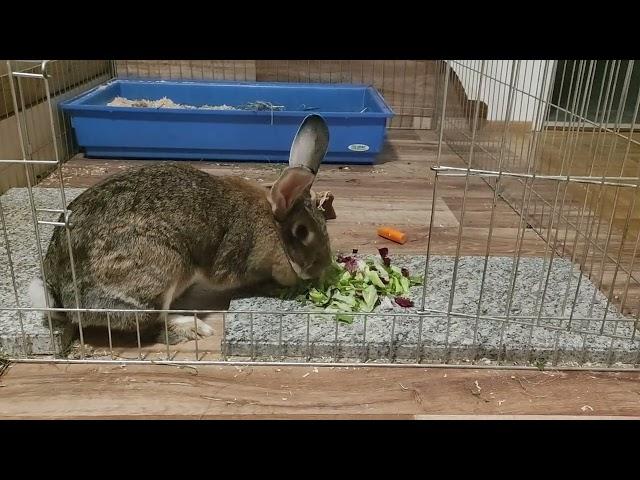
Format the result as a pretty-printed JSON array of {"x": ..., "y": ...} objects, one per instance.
[{"x": 301, "y": 232}]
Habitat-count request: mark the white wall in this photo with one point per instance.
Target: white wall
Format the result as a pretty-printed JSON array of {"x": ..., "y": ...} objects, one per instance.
[{"x": 531, "y": 88}]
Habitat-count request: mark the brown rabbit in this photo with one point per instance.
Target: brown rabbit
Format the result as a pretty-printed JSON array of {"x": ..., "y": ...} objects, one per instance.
[{"x": 142, "y": 237}]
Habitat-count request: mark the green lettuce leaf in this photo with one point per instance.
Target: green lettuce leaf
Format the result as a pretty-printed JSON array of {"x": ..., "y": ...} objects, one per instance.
[{"x": 342, "y": 293}]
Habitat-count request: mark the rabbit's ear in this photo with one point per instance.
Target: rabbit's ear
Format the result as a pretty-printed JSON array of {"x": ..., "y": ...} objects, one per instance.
[
  {"x": 307, "y": 151},
  {"x": 310, "y": 144},
  {"x": 292, "y": 184}
]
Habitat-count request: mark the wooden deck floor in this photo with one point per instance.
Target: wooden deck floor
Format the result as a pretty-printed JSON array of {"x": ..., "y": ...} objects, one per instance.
[
  {"x": 212, "y": 392},
  {"x": 397, "y": 191}
]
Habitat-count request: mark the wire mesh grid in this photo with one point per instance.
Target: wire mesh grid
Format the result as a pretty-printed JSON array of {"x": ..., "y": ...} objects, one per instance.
[
  {"x": 67, "y": 78},
  {"x": 555, "y": 140},
  {"x": 407, "y": 85},
  {"x": 571, "y": 301}
]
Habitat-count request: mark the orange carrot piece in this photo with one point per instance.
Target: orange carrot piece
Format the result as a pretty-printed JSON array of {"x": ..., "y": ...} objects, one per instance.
[{"x": 392, "y": 234}]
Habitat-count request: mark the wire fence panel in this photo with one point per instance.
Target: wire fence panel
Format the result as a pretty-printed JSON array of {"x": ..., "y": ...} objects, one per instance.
[{"x": 552, "y": 141}]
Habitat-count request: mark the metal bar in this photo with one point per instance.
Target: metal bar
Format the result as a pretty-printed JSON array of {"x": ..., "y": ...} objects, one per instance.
[
  {"x": 463, "y": 207},
  {"x": 515, "y": 70},
  {"x": 428, "y": 255},
  {"x": 28, "y": 75},
  {"x": 24, "y": 118},
  {"x": 567, "y": 223},
  {"x": 419, "y": 340},
  {"x": 253, "y": 348},
  {"x": 425, "y": 313},
  {"x": 364, "y": 341},
  {"x": 560, "y": 178},
  {"x": 195, "y": 325},
  {"x": 63, "y": 202},
  {"x": 221, "y": 363},
  {"x": 32, "y": 206},
  {"x": 591, "y": 224},
  {"x": 335, "y": 342},
  {"x": 514, "y": 278},
  {"x": 51, "y": 210},
  {"x": 46, "y": 222},
  {"x": 609, "y": 98},
  {"x": 280, "y": 336},
  {"x": 532, "y": 161},
  {"x": 435, "y": 186},
  {"x": 585, "y": 106},
  {"x": 308, "y": 343},
  {"x": 138, "y": 336},
  {"x": 552, "y": 251},
  {"x": 109, "y": 334},
  {"x": 14, "y": 283},
  {"x": 623, "y": 97},
  {"x": 520, "y": 321},
  {"x": 223, "y": 342},
  {"x": 392, "y": 340},
  {"x": 166, "y": 333}
]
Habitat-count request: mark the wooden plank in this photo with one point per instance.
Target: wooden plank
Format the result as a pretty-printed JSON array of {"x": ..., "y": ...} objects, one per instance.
[
  {"x": 397, "y": 191},
  {"x": 114, "y": 391},
  {"x": 66, "y": 74},
  {"x": 237, "y": 70}
]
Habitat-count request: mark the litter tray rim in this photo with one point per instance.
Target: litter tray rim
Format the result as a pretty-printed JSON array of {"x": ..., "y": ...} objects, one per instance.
[{"x": 76, "y": 105}]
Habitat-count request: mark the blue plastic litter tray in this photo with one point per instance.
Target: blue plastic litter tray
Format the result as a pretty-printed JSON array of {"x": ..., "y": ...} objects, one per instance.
[{"x": 356, "y": 115}]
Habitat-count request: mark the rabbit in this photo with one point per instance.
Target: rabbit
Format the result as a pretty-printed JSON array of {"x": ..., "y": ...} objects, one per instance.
[{"x": 142, "y": 237}]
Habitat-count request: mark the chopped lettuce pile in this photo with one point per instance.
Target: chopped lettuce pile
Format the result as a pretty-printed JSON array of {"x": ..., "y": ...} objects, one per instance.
[{"x": 354, "y": 285}]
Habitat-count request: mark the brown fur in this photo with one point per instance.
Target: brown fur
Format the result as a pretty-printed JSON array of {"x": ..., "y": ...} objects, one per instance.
[{"x": 142, "y": 237}]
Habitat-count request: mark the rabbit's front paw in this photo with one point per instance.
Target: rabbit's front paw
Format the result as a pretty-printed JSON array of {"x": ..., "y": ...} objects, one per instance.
[{"x": 184, "y": 327}]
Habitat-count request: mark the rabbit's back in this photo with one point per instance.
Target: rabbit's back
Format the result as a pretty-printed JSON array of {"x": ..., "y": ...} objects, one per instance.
[
  {"x": 161, "y": 218},
  {"x": 152, "y": 198}
]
